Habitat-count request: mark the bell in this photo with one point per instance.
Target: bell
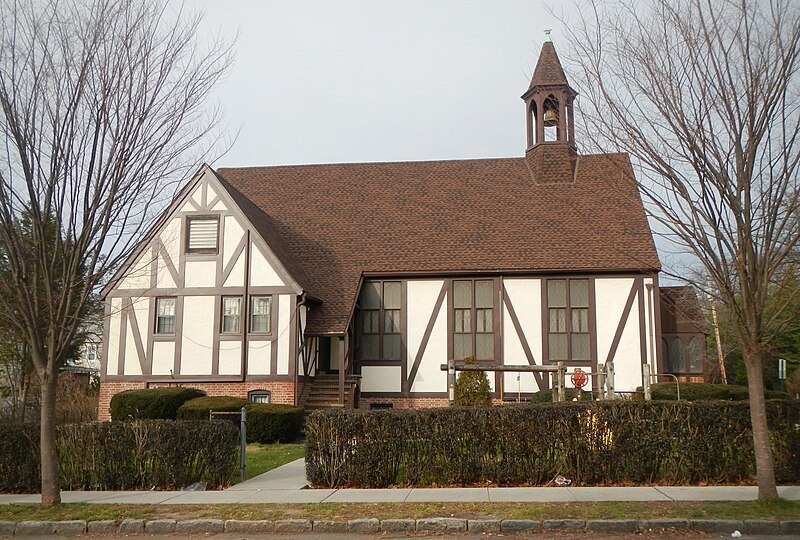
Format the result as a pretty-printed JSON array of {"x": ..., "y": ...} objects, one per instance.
[{"x": 550, "y": 117}]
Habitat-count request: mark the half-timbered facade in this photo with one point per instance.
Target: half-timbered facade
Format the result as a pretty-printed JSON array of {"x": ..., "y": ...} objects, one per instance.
[{"x": 351, "y": 284}]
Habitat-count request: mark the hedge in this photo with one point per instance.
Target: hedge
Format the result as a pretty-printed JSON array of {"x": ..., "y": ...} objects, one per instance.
[
  {"x": 123, "y": 455},
  {"x": 698, "y": 391},
  {"x": 151, "y": 403},
  {"x": 266, "y": 423},
  {"x": 592, "y": 443}
]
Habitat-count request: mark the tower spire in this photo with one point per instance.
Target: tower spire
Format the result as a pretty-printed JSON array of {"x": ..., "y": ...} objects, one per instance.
[{"x": 549, "y": 117}]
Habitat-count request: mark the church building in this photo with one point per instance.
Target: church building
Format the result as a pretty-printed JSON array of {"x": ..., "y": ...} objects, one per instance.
[{"x": 351, "y": 284}]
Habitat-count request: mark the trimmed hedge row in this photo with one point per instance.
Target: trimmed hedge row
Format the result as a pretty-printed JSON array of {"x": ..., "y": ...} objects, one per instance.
[
  {"x": 266, "y": 423},
  {"x": 596, "y": 443},
  {"x": 123, "y": 455},
  {"x": 151, "y": 403},
  {"x": 698, "y": 391}
]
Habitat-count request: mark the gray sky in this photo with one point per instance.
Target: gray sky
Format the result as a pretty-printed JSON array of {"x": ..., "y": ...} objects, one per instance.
[{"x": 322, "y": 81}]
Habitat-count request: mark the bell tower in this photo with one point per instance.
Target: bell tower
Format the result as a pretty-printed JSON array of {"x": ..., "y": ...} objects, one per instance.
[{"x": 551, "y": 152}]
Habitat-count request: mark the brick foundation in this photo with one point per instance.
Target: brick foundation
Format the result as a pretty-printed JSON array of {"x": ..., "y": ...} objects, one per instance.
[
  {"x": 406, "y": 402},
  {"x": 280, "y": 391}
]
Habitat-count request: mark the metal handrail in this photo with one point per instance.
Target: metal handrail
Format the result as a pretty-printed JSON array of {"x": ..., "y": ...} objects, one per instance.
[{"x": 677, "y": 381}]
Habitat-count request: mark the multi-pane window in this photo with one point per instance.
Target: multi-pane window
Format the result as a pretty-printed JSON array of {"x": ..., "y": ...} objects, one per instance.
[
  {"x": 202, "y": 234},
  {"x": 231, "y": 314},
  {"x": 165, "y": 315},
  {"x": 682, "y": 355},
  {"x": 261, "y": 314},
  {"x": 568, "y": 319},
  {"x": 473, "y": 319},
  {"x": 259, "y": 396},
  {"x": 381, "y": 308}
]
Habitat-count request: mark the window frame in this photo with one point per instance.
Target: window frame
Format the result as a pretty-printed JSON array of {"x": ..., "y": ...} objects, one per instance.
[
  {"x": 201, "y": 251},
  {"x": 259, "y": 393},
  {"x": 590, "y": 321},
  {"x": 382, "y": 323},
  {"x": 495, "y": 307},
  {"x": 251, "y": 314},
  {"x": 222, "y": 330},
  {"x": 174, "y": 316}
]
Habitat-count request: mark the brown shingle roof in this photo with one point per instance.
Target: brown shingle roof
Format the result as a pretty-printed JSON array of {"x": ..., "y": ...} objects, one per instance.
[
  {"x": 548, "y": 70},
  {"x": 335, "y": 222}
]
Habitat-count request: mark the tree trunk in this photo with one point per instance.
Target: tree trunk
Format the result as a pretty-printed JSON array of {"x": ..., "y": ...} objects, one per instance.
[
  {"x": 765, "y": 472},
  {"x": 51, "y": 490},
  {"x": 23, "y": 401}
]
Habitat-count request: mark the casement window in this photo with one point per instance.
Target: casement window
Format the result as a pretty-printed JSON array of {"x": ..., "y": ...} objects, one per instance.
[
  {"x": 682, "y": 355},
  {"x": 473, "y": 319},
  {"x": 261, "y": 314},
  {"x": 202, "y": 234},
  {"x": 165, "y": 316},
  {"x": 231, "y": 314},
  {"x": 381, "y": 314},
  {"x": 568, "y": 335}
]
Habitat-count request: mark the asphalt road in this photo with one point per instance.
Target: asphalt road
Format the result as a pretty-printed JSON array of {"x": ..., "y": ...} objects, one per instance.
[{"x": 661, "y": 535}]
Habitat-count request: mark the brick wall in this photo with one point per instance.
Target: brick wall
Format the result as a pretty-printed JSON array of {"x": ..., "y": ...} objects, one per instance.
[
  {"x": 280, "y": 392},
  {"x": 405, "y": 402}
]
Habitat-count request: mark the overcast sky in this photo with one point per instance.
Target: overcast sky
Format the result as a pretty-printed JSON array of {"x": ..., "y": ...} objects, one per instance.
[{"x": 321, "y": 81}]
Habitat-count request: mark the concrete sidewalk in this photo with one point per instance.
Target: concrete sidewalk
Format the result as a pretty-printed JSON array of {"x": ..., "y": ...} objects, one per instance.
[{"x": 286, "y": 485}]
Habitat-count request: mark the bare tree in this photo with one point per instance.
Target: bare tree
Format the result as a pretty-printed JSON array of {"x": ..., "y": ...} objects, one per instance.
[
  {"x": 102, "y": 101},
  {"x": 704, "y": 96}
]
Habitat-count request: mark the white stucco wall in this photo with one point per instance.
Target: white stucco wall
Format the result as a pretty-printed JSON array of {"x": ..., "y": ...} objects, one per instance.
[
  {"x": 611, "y": 295},
  {"x": 197, "y": 335},
  {"x": 261, "y": 272},
  {"x": 200, "y": 273},
  {"x": 284, "y": 332},
  {"x": 421, "y": 300},
  {"x": 525, "y": 296},
  {"x": 230, "y": 358},
  {"x": 259, "y": 357},
  {"x": 381, "y": 378},
  {"x": 138, "y": 275},
  {"x": 112, "y": 347},
  {"x": 163, "y": 357}
]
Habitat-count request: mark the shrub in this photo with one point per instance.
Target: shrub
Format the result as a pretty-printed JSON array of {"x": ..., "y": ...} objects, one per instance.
[
  {"x": 139, "y": 454},
  {"x": 472, "y": 387},
  {"x": 19, "y": 466},
  {"x": 706, "y": 391},
  {"x": 266, "y": 423},
  {"x": 593, "y": 443},
  {"x": 151, "y": 403}
]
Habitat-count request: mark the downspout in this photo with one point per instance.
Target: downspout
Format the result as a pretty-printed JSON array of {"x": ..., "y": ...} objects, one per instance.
[
  {"x": 302, "y": 302},
  {"x": 245, "y": 306}
]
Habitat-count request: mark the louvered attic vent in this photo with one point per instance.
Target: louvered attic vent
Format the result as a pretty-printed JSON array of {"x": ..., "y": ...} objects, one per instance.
[{"x": 202, "y": 233}]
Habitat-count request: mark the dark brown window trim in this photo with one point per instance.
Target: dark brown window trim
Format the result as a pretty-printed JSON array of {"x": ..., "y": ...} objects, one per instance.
[
  {"x": 591, "y": 320},
  {"x": 169, "y": 335},
  {"x": 222, "y": 331},
  {"x": 496, "y": 318},
  {"x": 272, "y": 304},
  {"x": 381, "y": 324},
  {"x": 200, "y": 251}
]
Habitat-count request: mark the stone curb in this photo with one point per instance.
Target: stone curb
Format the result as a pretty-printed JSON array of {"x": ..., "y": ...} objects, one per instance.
[{"x": 374, "y": 526}]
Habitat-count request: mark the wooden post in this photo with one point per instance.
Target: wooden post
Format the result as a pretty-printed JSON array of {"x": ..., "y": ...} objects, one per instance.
[
  {"x": 646, "y": 385},
  {"x": 562, "y": 373},
  {"x": 610, "y": 380},
  {"x": 342, "y": 368},
  {"x": 601, "y": 382},
  {"x": 451, "y": 380}
]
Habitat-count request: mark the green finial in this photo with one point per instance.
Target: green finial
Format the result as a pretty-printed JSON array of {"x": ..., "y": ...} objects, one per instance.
[{"x": 547, "y": 37}]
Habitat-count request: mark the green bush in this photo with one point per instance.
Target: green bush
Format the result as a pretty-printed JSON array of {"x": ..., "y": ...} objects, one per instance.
[
  {"x": 19, "y": 466},
  {"x": 706, "y": 391},
  {"x": 266, "y": 423},
  {"x": 151, "y": 403},
  {"x": 140, "y": 454},
  {"x": 472, "y": 387},
  {"x": 593, "y": 443}
]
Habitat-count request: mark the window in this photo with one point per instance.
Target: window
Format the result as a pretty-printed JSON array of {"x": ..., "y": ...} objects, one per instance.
[
  {"x": 231, "y": 314},
  {"x": 202, "y": 234},
  {"x": 381, "y": 313},
  {"x": 261, "y": 314},
  {"x": 695, "y": 355},
  {"x": 568, "y": 319},
  {"x": 473, "y": 319},
  {"x": 165, "y": 315},
  {"x": 259, "y": 396},
  {"x": 676, "y": 355}
]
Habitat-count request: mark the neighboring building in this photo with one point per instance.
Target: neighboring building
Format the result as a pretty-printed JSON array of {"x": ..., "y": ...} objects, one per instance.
[
  {"x": 683, "y": 335},
  {"x": 266, "y": 281}
]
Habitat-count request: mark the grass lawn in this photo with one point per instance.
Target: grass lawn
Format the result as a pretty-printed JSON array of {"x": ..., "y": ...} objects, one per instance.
[
  {"x": 261, "y": 458},
  {"x": 777, "y": 510}
]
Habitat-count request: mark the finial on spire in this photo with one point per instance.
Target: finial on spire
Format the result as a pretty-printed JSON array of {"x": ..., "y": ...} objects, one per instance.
[{"x": 547, "y": 38}]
